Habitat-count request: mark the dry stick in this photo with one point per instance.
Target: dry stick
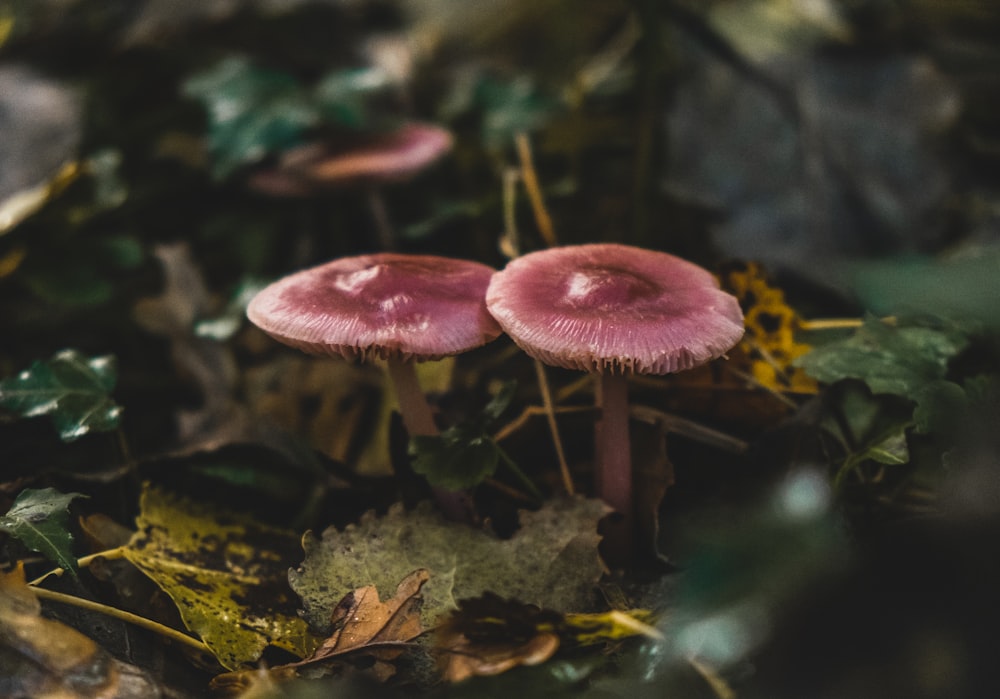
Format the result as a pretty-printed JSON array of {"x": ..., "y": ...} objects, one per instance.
[
  {"x": 838, "y": 323},
  {"x": 542, "y": 217},
  {"x": 510, "y": 244},
  {"x": 675, "y": 424},
  {"x": 544, "y": 223},
  {"x": 550, "y": 416},
  {"x": 528, "y": 413},
  {"x": 109, "y": 555},
  {"x": 718, "y": 685},
  {"x": 145, "y": 623}
]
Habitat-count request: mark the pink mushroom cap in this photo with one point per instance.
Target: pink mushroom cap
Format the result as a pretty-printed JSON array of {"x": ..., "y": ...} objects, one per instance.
[
  {"x": 383, "y": 157},
  {"x": 614, "y": 308},
  {"x": 385, "y": 305}
]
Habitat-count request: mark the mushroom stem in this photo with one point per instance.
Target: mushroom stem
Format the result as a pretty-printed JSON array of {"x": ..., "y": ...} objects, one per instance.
[
  {"x": 614, "y": 468},
  {"x": 413, "y": 406},
  {"x": 614, "y": 456},
  {"x": 419, "y": 421}
]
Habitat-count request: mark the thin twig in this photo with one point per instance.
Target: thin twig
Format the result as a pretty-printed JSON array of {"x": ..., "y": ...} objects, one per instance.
[
  {"x": 675, "y": 424},
  {"x": 719, "y": 686},
  {"x": 528, "y": 413},
  {"x": 122, "y": 615},
  {"x": 109, "y": 555},
  {"x": 752, "y": 380},
  {"x": 510, "y": 242},
  {"x": 542, "y": 218},
  {"x": 838, "y": 323},
  {"x": 550, "y": 416}
]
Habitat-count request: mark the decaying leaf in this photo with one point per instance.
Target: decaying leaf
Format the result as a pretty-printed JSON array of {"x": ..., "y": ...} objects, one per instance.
[
  {"x": 489, "y": 635},
  {"x": 71, "y": 389},
  {"x": 606, "y": 627},
  {"x": 226, "y": 574},
  {"x": 45, "y": 659},
  {"x": 362, "y": 625},
  {"x": 552, "y": 561},
  {"x": 39, "y": 520},
  {"x": 362, "y": 622}
]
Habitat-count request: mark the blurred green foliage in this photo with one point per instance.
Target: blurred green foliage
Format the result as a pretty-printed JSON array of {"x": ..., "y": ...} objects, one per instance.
[{"x": 71, "y": 389}]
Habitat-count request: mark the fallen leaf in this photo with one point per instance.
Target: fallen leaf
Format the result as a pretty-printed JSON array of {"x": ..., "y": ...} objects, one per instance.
[
  {"x": 39, "y": 520},
  {"x": 489, "y": 635},
  {"x": 45, "y": 659},
  {"x": 362, "y": 624},
  {"x": 551, "y": 561},
  {"x": 360, "y": 620},
  {"x": 71, "y": 389},
  {"x": 225, "y": 572}
]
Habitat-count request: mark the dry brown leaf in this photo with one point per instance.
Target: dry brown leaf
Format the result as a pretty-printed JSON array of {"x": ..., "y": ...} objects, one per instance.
[
  {"x": 489, "y": 635},
  {"x": 45, "y": 659},
  {"x": 362, "y": 625}
]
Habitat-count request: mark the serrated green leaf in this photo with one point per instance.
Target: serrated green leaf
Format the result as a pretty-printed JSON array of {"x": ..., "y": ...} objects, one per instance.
[
  {"x": 903, "y": 361},
  {"x": 453, "y": 462},
  {"x": 70, "y": 388},
  {"x": 465, "y": 454},
  {"x": 39, "y": 519},
  {"x": 551, "y": 561}
]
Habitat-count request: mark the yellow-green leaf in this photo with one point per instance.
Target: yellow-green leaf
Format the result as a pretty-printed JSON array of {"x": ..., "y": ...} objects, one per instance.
[{"x": 226, "y": 573}]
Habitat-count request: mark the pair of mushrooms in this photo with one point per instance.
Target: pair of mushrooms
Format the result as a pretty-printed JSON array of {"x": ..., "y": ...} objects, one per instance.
[{"x": 603, "y": 308}]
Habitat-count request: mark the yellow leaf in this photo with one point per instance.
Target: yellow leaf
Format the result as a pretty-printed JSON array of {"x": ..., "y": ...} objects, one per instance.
[
  {"x": 588, "y": 629},
  {"x": 769, "y": 345},
  {"x": 26, "y": 202},
  {"x": 227, "y": 574}
]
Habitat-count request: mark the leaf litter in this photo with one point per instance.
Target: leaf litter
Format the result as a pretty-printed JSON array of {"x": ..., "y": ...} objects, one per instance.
[
  {"x": 551, "y": 561},
  {"x": 226, "y": 574}
]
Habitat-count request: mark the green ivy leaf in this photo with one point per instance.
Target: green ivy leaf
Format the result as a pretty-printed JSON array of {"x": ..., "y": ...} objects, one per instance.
[
  {"x": 341, "y": 95},
  {"x": 464, "y": 454},
  {"x": 39, "y": 519},
  {"x": 252, "y": 112},
  {"x": 904, "y": 361},
  {"x": 70, "y": 388}
]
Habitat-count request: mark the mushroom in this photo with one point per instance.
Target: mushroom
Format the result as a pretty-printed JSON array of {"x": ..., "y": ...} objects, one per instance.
[
  {"x": 397, "y": 307},
  {"x": 371, "y": 161},
  {"x": 614, "y": 310}
]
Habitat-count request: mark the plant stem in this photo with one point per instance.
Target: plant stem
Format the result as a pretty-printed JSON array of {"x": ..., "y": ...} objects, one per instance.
[
  {"x": 419, "y": 421},
  {"x": 135, "y": 619}
]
